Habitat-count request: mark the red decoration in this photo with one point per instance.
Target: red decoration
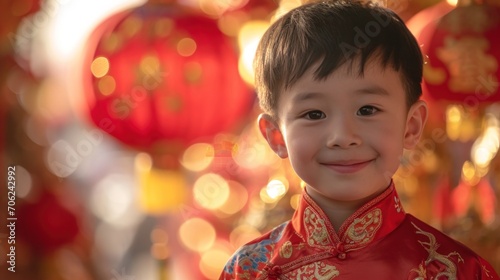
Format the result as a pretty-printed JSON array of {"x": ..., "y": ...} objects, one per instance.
[
  {"x": 428, "y": 18},
  {"x": 172, "y": 77},
  {"x": 46, "y": 224},
  {"x": 463, "y": 48},
  {"x": 479, "y": 196}
]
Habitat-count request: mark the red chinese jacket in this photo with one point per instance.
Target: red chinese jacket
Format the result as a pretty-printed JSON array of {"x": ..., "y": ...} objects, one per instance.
[{"x": 379, "y": 241}]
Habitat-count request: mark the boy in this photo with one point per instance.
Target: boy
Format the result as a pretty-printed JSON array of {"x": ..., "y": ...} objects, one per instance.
[{"x": 339, "y": 84}]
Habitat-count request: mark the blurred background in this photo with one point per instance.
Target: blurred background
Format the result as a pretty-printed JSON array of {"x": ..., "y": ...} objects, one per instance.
[{"x": 129, "y": 130}]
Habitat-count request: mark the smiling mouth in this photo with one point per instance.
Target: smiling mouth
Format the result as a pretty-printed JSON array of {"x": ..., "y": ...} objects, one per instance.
[{"x": 348, "y": 166}]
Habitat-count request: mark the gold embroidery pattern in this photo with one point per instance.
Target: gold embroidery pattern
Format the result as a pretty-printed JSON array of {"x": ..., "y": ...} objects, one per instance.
[
  {"x": 486, "y": 271},
  {"x": 363, "y": 229},
  {"x": 397, "y": 204},
  {"x": 473, "y": 19},
  {"x": 450, "y": 268},
  {"x": 286, "y": 250},
  {"x": 317, "y": 270},
  {"x": 467, "y": 61},
  {"x": 316, "y": 229}
]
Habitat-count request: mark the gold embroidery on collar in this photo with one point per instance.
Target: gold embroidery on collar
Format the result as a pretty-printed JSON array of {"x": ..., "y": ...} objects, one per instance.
[
  {"x": 317, "y": 270},
  {"x": 286, "y": 250},
  {"x": 363, "y": 229},
  {"x": 397, "y": 204},
  {"x": 450, "y": 268},
  {"x": 317, "y": 234}
]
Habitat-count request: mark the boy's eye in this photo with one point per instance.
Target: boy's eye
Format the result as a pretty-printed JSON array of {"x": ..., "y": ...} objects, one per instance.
[
  {"x": 366, "y": 111},
  {"x": 315, "y": 115}
]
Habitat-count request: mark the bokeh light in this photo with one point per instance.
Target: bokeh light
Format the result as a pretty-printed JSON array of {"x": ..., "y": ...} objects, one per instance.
[
  {"x": 248, "y": 40},
  {"x": 243, "y": 234},
  {"x": 161, "y": 191},
  {"x": 198, "y": 157},
  {"x": 99, "y": 67},
  {"x": 211, "y": 191},
  {"x": 113, "y": 200},
  {"x": 276, "y": 188},
  {"x": 294, "y": 201},
  {"x": 70, "y": 22},
  {"x": 160, "y": 249},
  {"x": 197, "y": 234},
  {"x": 238, "y": 196},
  {"x": 212, "y": 262},
  {"x": 165, "y": 216},
  {"x": 186, "y": 47},
  {"x": 486, "y": 146}
]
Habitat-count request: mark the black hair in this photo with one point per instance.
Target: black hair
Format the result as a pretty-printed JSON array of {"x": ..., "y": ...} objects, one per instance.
[{"x": 333, "y": 33}]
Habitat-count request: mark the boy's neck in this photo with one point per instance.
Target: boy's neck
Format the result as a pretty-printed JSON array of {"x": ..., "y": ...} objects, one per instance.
[{"x": 338, "y": 211}]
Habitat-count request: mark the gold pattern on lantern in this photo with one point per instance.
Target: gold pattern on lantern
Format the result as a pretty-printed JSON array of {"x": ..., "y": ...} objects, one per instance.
[
  {"x": 150, "y": 64},
  {"x": 163, "y": 27},
  {"x": 106, "y": 85},
  {"x": 186, "y": 47},
  {"x": 99, "y": 67},
  {"x": 467, "y": 61},
  {"x": 150, "y": 75},
  {"x": 130, "y": 26},
  {"x": 173, "y": 103},
  {"x": 434, "y": 76},
  {"x": 193, "y": 73},
  {"x": 474, "y": 18},
  {"x": 111, "y": 43}
]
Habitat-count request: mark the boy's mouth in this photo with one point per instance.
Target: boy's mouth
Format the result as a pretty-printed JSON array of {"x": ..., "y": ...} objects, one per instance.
[{"x": 350, "y": 166}]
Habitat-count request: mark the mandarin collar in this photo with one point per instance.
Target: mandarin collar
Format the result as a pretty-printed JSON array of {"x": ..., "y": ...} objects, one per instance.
[{"x": 370, "y": 223}]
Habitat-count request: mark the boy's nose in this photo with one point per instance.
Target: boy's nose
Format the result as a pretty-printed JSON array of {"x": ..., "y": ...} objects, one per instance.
[{"x": 343, "y": 134}]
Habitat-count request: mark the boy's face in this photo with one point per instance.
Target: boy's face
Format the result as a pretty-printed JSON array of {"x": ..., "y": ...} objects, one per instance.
[{"x": 345, "y": 135}]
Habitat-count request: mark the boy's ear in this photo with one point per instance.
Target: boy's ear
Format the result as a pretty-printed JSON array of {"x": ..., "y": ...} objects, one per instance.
[
  {"x": 272, "y": 133},
  {"x": 415, "y": 122}
]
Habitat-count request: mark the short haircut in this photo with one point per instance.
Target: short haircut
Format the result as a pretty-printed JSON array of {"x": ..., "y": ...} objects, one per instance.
[{"x": 332, "y": 33}]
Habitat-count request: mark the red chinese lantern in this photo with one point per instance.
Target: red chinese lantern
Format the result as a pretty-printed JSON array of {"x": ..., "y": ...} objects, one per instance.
[
  {"x": 162, "y": 76},
  {"x": 463, "y": 48},
  {"x": 429, "y": 17}
]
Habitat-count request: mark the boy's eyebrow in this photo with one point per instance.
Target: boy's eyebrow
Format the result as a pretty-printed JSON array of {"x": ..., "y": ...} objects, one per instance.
[
  {"x": 373, "y": 90},
  {"x": 376, "y": 90},
  {"x": 305, "y": 96}
]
